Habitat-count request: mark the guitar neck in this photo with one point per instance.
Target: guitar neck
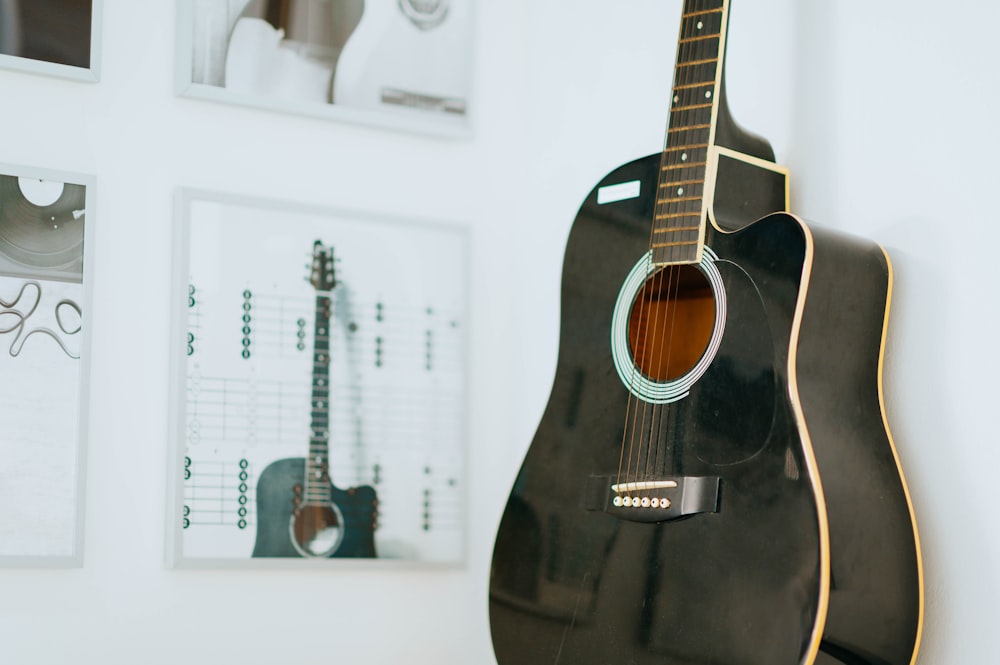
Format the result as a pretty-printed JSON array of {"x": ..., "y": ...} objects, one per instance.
[
  {"x": 317, "y": 481},
  {"x": 678, "y": 232}
]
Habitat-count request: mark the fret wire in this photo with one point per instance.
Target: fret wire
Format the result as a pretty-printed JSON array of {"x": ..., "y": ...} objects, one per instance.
[
  {"x": 677, "y": 229},
  {"x": 699, "y": 179},
  {"x": 693, "y": 85},
  {"x": 682, "y": 243},
  {"x": 691, "y": 106},
  {"x": 686, "y": 127},
  {"x": 683, "y": 165},
  {"x": 701, "y": 13},
  {"x": 698, "y": 62},
  {"x": 676, "y": 215},
  {"x": 688, "y": 40},
  {"x": 686, "y": 147},
  {"x": 684, "y": 198}
]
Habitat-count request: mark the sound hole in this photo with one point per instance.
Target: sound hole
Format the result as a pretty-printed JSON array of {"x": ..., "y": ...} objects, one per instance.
[
  {"x": 671, "y": 322},
  {"x": 317, "y": 530}
]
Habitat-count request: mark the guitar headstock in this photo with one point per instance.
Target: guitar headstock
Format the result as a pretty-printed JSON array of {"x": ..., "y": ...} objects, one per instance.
[{"x": 321, "y": 274}]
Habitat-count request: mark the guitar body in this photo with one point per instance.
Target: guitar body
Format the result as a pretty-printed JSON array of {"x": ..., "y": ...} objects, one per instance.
[
  {"x": 806, "y": 554},
  {"x": 394, "y": 60},
  {"x": 276, "y": 491}
]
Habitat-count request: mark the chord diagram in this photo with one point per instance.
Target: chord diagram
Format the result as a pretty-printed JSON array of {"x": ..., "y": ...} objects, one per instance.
[
  {"x": 194, "y": 319},
  {"x": 433, "y": 504},
  {"x": 246, "y": 410},
  {"x": 273, "y": 325},
  {"x": 217, "y": 493}
]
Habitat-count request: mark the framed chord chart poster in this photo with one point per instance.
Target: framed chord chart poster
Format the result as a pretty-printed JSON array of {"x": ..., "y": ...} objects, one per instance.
[
  {"x": 405, "y": 64},
  {"x": 54, "y": 37},
  {"x": 318, "y": 398},
  {"x": 45, "y": 224}
]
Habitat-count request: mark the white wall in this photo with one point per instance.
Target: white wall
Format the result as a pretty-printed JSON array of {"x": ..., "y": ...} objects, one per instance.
[{"x": 852, "y": 95}]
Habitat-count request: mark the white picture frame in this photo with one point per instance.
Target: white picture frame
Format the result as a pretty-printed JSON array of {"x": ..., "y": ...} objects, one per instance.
[
  {"x": 47, "y": 37},
  {"x": 247, "y": 416},
  {"x": 397, "y": 64},
  {"x": 45, "y": 331}
]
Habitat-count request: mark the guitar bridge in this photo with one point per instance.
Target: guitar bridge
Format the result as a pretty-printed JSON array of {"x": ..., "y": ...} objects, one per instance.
[{"x": 654, "y": 500}]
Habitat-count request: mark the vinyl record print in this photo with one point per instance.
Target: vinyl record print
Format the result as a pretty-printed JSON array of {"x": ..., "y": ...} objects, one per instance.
[{"x": 41, "y": 228}]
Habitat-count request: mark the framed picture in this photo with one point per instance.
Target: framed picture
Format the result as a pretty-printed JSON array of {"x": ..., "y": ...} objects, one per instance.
[
  {"x": 405, "y": 64},
  {"x": 45, "y": 226},
  {"x": 54, "y": 37},
  {"x": 319, "y": 378}
]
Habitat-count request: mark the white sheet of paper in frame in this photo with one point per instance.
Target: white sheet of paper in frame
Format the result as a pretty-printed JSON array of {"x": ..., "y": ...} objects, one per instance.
[{"x": 39, "y": 412}]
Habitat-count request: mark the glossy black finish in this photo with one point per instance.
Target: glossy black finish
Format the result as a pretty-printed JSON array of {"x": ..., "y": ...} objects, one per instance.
[
  {"x": 741, "y": 586},
  {"x": 874, "y": 610},
  {"x": 275, "y": 495},
  {"x": 746, "y": 192}
]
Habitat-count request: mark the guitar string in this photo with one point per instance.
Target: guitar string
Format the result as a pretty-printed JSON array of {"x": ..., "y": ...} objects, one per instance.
[
  {"x": 641, "y": 336},
  {"x": 651, "y": 360},
  {"x": 661, "y": 433},
  {"x": 653, "y": 292},
  {"x": 662, "y": 412},
  {"x": 655, "y": 360},
  {"x": 659, "y": 413},
  {"x": 665, "y": 410},
  {"x": 640, "y": 345},
  {"x": 697, "y": 50},
  {"x": 628, "y": 433},
  {"x": 641, "y": 342}
]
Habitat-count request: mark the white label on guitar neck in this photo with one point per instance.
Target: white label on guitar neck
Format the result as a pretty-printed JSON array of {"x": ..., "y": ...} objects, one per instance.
[{"x": 620, "y": 192}]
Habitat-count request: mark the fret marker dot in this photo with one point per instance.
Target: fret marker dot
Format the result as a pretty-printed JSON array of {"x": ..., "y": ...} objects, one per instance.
[
  {"x": 680, "y": 191},
  {"x": 684, "y": 157},
  {"x": 700, "y": 25},
  {"x": 677, "y": 98},
  {"x": 708, "y": 94}
]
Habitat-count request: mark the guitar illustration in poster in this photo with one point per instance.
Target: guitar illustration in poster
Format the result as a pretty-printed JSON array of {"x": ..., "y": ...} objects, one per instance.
[
  {"x": 304, "y": 395},
  {"x": 713, "y": 479},
  {"x": 299, "y": 511}
]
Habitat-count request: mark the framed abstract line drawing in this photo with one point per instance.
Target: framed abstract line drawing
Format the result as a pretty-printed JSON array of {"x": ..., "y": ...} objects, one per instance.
[
  {"x": 53, "y": 37},
  {"x": 318, "y": 386},
  {"x": 405, "y": 64},
  {"x": 45, "y": 226}
]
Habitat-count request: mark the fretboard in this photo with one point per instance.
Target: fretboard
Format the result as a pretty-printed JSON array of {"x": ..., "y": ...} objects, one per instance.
[
  {"x": 679, "y": 216},
  {"x": 317, "y": 482}
]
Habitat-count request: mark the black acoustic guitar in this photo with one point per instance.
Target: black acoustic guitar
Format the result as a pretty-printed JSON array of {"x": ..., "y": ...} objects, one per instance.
[
  {"x": 300, "y": 513},
  {"x": 713, "y": 481}
]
